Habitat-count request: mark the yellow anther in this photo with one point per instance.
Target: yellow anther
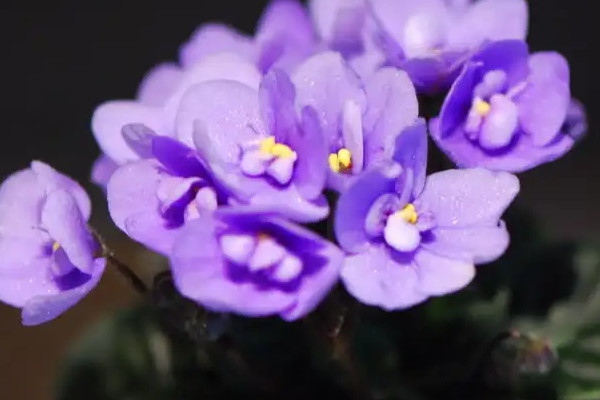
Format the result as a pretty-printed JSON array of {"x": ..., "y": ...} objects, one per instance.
[
  {"x": 55, "y": 246},
  {"x": 340, "y": 162},
  {"x": 334, "y": 163},
  {"x": 270, "y": 146},
  {"x": 345, "y": 158},
  {"x": 266, "y": 145},
  {"x": 281, "y": 150},
  {"x": 482, "y": 107},
  {"x": 409, "y": 214}
]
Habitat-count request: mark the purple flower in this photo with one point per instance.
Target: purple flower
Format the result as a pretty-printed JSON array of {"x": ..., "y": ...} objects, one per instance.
[
  {"x": 360, "y": 120},
  {"x": 284, "y": 37},
  {"x": 508, "y": 110},
  {"x": 430, "y": 39},
  {"x": 240, "y": 261},
  {"x": 410, "y": 238},
  {"x": 48, "y": 258},
  {"x": 257, "y": 146},
  {"x": 153, "y": 198}
]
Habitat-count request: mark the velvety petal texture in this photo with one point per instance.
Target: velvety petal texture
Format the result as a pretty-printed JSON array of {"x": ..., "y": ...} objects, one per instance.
[
  {"x": 219, "y": 277},
  {"x": 49, "y": 257}
]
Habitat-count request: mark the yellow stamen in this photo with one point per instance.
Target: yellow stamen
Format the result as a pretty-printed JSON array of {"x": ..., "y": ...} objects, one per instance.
[
  {"x": 55, "y": 246},
  {"x": 270, "y": 146},
  {"x": 340, "y": 162},
  {"x": 482, "y": 107},
  {"x": 409, "y": 214},
  {"x": 266, "y": 145}
]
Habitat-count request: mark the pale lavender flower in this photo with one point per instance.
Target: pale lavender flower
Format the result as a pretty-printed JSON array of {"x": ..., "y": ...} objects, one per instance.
[
  {"x": 509, "y": 110},
  {"x": 360, "y": 118},
  {"x": 248, "y": 263},
  {"x": 411, "y": 237},
  {"x": 49, "y": 257}
]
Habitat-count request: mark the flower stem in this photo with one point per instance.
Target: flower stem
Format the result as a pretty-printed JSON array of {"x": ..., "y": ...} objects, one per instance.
[{"x": 135, "y": 281}]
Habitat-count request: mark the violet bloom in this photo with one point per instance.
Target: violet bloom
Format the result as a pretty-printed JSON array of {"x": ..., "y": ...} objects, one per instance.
[
  {"x": 252, "y": 264},
  {"x": 257, "y": 146},
  {"x": 360, "y": 119},
  {"x": 430, "y": 39},
  {"x": 410, "y": 238},
  {"x": 49, "y": 259},
  {"x": 509, "y": 110},
  {"x": 153, "y": 198}
]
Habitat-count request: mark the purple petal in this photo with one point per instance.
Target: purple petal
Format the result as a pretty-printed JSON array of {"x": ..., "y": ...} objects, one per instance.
[
  {"x": 490, "y": 20},
  {"x": 62, "y": 219},
  {"x": 291, "y": 204},
  {"x": 352, "y": 134},
  {"x": 332, "y": 19},
  {"x": 310, "y": 144},
  {"x": 517, "y": 157},
  {"x": 109, "y": 119},
  {"x": 102, "y": 170},
  {"x": 159, "y": 84},
  {"x": 21, "y": 199},
  {"x": 510, "y": 56},
  {"x": 212, "y": 39},
  {"x": 54, "y": 180},
  {"x": 139, "y": 139},
  {"x": 43, "y": 308},
  {"x": 382, "y": 208},
  {"x": 411, "y": 153},
  {"x": 543, "y": 105},
  {"x": 238, "y": 248},
  {"x": 18, "y": 291},
  {"x": 477, "y": 245},
  {"x": 377, "y": 278},
  {"x": 134, "y": 205},
  {"x": 392, "y": 107},
  {"x": 21, "y": 256},
  {"x": 325, "y": 83},
  {"x": 575, "y": 125},
  {"x": 354, "y": 205},
  {"x": 317, "y": 284},
  {"x": 201, "y": 274},
  {"x": 285, "y": 24},
  {"x": 439, "y": 275},
  {"x": 469, "y": 197},
  {"x": 228, "y": 110},
  {"x": 277, "y": 96},
  {"x": 178, "y": 158}
]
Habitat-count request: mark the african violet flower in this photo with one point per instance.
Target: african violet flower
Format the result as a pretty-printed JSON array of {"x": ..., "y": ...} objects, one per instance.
[
  {"x": 258, "y": 148},
  {"x": 360, "y": 120},
  {"x": 240, "y": 261},
  {"x": 49, "y": 259},
  {"x": 428, "y": 38},
  {"x": 153, "y": 198},
  {"x": 409, "y": 237},
  {"x": 509, "y": 110}
]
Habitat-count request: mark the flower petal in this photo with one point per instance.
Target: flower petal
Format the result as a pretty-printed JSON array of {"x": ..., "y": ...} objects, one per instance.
[
  {"x": 411, "y": 153},
  {"x": 355, "y": 203},
  {"x": 102, "y": 170},
  {"x": 392, "y": 107},
  {"x": 375, "y": 277},
  {"x": 325, "y": 83},
  {"x": 18, "y": 291},
  {"x": 228, "y": 110},
  {"x": 439, "y": 275},
  {"x": 479, "y": 245},
  {"x": 214, "y": 38},
  {"x": 21, "y": 199},
  {"x": 468, "y": 197},
  {"x": 109, "y": 119},
  {"x": 159, "y": 84},
  {"x": 202, "y": 274},
  {"x": 43, "y": 308},
  {"x": 62, "y": 219}
]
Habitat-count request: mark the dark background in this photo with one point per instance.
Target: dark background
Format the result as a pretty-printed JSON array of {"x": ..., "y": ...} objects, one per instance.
[{"x": 57, "y": 64}]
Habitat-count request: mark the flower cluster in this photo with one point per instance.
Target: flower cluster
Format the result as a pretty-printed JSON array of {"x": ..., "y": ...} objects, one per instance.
[{"x": 224, "y": 154}]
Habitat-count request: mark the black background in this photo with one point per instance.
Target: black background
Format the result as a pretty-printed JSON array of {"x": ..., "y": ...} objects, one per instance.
[{"x": 57, "y": 64}]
